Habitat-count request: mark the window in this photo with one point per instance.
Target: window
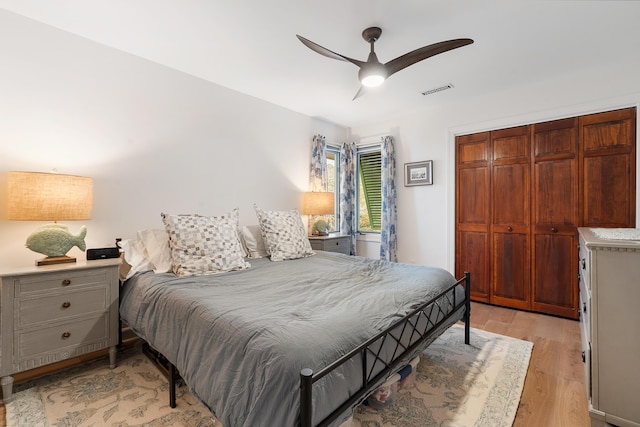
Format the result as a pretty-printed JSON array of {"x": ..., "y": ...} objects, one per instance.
[
  {"x": 333, "y": 175},
  {"x": 369, "y": 203}
]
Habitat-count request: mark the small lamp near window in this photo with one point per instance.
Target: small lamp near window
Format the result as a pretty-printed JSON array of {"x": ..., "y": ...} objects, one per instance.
[
  {"x": 319, "y": 203},
  {"x": 36, "y": 196}
]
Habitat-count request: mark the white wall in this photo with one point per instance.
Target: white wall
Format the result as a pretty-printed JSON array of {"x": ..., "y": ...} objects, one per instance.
[
  {"x": 153, "y": 139},
  {"x": 156, "y": 140},
  {"x": 426, "y": 221}
]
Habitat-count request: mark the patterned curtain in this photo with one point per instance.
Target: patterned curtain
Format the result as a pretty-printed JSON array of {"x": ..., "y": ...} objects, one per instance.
[
  {"x": 318, "y": 178},
  {"x": 388, "y": 237},
  {"x": 348, "y": 217}
]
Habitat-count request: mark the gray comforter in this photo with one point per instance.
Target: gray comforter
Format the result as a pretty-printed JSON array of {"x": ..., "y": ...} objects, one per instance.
[{"x": 240, "y": 339}]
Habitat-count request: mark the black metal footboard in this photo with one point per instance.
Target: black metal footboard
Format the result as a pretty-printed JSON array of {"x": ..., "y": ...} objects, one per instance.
[{"x": 407, "y": 335}]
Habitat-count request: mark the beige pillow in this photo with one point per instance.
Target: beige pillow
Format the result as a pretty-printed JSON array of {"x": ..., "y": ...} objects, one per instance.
[
  {"x": 156, "y": 246},
  {"x": 251, "y": 236},
  {"x": 135, "y": 260}
]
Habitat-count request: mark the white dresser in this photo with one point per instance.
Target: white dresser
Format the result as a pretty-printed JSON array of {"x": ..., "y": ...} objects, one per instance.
[
  {"x": 55, "y": 312},
  {"x": 610, "y": 324}
]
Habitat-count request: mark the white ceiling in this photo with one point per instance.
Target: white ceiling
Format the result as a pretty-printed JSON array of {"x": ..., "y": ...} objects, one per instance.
[{"x": 250, "y": 45}]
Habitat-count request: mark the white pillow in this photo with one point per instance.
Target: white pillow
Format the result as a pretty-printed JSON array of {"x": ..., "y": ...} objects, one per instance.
[
  {"x": 284, "y": 234},
  {"x": 251, "y": 236},
  {"x": 156, "y": 246},
  {"x": 204, "y": 244},
  {"x": 134, "y": 256}
]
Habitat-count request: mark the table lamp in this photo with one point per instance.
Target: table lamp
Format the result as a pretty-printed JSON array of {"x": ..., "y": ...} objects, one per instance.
[
  {"x": 319, "y": 203},
  {"x": 36, "y": 196}
]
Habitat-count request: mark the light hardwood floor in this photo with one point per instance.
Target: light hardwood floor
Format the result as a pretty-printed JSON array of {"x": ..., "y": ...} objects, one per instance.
[{"x": 554, "y": 393}]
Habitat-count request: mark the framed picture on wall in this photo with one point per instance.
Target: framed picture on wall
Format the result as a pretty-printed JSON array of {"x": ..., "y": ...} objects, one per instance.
[{"x": 418, "y": 173}]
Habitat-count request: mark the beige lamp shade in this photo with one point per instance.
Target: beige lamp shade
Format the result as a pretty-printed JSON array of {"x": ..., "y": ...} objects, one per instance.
[
  {"x": 36, "y": 196},
  {"x": 318, "y": 203}
]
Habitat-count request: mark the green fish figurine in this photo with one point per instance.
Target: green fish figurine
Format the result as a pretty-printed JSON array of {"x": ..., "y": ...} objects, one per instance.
[{"x": 55, "y": 240}]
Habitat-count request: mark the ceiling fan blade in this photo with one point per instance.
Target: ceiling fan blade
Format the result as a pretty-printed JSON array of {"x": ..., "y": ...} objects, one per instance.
[
  {"x": 361, "y": 91},
  {"x": 328, "y": 53},
  {"x": 425, "y": 52}
]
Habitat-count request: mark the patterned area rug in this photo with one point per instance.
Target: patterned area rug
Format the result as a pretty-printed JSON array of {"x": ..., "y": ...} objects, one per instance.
[{"x": 454, "y": 385}]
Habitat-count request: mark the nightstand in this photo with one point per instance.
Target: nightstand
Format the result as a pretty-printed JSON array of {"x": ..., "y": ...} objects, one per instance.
[
  {"x": 56, "y": 312},
  {"x": 330, "y": 243}
]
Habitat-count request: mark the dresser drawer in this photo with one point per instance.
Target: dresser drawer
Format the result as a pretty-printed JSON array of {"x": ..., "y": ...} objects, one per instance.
[
  {"x": 586, "y": 359},
  {"x": 584, "y": 266},
  {"x": 34, "y": 284},
  {"x": 57, "y": 307},
  {"x": 59, "y": 340},
  {"x": 585, "y": 306}
]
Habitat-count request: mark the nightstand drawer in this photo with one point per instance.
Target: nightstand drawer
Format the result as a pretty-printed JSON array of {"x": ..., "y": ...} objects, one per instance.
[
  {"x": 70, "y": 304},
  {"x": 53, "y": 340},
  {"x": 338, "y": 244},
  {"x": 31, "y": 284}
]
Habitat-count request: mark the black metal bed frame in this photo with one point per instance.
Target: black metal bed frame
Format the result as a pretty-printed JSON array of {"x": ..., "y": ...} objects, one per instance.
[{"x": 373, "y": 348}]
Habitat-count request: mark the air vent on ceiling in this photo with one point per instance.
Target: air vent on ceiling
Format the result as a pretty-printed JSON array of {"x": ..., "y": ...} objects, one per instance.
[{"x": 438, "y": 89}]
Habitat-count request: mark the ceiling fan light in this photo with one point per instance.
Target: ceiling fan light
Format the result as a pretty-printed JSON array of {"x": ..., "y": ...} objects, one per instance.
[
  {"x": 372, "y": 75},
  {"x": 372, "y": 80}
]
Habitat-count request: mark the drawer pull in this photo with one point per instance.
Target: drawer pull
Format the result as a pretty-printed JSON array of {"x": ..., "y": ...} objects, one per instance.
[
  {"x": 509, "y": 228},
  {"x": 584, "y": 357},
  {"x": 554, "y": 230},
  {"x": 66, "y": 282},
  {"x": 66, "y": 335},
  {"x": 66, "y": 304}
]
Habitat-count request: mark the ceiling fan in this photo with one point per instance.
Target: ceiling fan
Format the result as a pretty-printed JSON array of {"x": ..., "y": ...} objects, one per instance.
[{"x": 372, "y": 72}]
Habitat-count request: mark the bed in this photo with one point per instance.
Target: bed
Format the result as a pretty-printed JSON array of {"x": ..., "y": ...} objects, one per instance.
[{"x": 293, "y": 343}]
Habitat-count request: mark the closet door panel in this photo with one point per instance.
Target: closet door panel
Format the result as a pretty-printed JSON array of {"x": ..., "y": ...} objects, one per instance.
[
  {"x": 474, "y": 208},
  {"x": 608, "y": 199},
  {"x": 473, "y": 204},
  {"x": 556, "y": 287},
  {"x": 510, "y": 217},
  {"x": 555, "y": 187},
  {"x": 555, "y": 217},
  {"x": 511, "y": 195},
  {"x": 608, "y": 131},
  {"x": 511, "y": 272},
  {"x": 608, "y": 168},
  {"x": 473, "y": 256}
]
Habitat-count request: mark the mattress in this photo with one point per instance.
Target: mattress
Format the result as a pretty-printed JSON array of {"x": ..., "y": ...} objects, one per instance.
[{"x": 240, "y": 339}]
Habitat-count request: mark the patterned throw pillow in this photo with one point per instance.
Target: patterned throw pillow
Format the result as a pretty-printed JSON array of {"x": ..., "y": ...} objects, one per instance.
[
  {"x": 204, "y": 244},
  {"x": 284, "y": 234}
]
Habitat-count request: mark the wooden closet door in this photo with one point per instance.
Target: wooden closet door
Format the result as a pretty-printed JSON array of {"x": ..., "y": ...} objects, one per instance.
[
  {"x": 472, "y": 212},
  {"x": 555, "y": 217},
  {"x": 608, "y": 168},
  {"x": 522, "y": 192},
  {"x": 510, "y": 217}
]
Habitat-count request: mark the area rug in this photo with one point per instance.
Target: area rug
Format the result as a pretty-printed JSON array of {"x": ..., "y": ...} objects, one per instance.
[{"x": 454, "y": 385}]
